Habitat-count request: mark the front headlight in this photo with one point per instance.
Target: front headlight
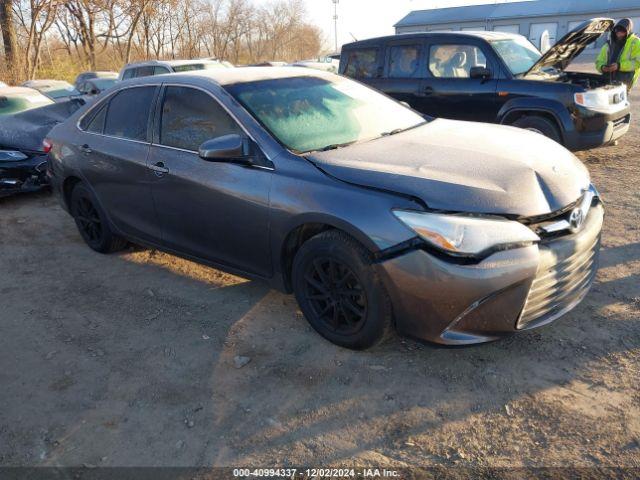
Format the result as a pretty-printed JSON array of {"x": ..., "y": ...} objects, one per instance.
[
  {"x": 602, "y": 100},
  {"x": 467, "y": 236}
]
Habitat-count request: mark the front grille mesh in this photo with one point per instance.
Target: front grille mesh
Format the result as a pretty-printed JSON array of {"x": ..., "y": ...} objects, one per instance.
[{"x": 559, "y": 287}]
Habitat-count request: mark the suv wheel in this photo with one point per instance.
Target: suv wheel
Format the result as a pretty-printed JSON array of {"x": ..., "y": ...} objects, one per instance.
[
  {"x": 339, "y": 292},
  {"x": 92, "y": 222},
  {"x": 540, "y": 125}
]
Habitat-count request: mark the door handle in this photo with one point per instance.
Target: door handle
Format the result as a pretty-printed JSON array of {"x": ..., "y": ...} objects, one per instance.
[
  {"x": 427, "y": 91},
  {"x": 159, "y": 168},
  {"x": 86, "y": 149}
]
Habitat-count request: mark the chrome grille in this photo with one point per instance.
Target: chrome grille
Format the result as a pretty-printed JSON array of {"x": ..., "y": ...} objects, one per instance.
[{"x": 560, "y": 286}]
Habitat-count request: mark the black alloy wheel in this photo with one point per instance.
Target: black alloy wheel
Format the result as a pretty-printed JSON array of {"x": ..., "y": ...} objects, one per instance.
[{"x": 340, "y": 293}]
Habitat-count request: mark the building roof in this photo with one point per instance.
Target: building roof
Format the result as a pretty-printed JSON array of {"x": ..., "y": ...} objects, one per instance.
[{"x": 528, "y": 8}]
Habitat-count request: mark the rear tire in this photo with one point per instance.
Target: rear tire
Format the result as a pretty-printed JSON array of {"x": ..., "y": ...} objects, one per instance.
[
  {"x": 92, "y": 222},
  {"x": 540, "y": 125},
  {"x": 340, "y": 293}
]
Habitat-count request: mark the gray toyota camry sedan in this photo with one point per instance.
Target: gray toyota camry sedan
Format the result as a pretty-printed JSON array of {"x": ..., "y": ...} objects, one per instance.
[{"x": 374, "y": 216}]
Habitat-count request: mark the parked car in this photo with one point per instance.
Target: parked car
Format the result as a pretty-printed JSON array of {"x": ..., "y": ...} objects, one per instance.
[
  {"x": 375, "y": 218},
  {"x": 95, "y": 86},
  {"x": 84, "y": 76},
  {"x": 19, "y": 99},
  {"x": 23, "y": 155},
  {"x": 497, "y": 77},
  {"x": 56, "y": 90},
  {"x": 327, "y": 64},
  {"x": 158, "y": 67}
]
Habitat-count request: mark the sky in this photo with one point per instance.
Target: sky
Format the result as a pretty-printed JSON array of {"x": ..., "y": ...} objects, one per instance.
[{"x": 370, "y": 18}]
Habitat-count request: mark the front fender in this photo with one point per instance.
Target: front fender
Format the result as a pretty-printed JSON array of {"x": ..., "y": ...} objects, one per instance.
[{"x": 540, "y": 105}]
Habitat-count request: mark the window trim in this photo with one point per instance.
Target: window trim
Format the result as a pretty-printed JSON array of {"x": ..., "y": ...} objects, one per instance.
[{"x": 108, "y": 99}]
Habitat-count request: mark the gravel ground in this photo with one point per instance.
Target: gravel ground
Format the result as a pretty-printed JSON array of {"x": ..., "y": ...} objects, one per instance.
[{"x": 144, "y": 359}]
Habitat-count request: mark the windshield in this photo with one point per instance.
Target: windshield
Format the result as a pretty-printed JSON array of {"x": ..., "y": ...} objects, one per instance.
[
  {"x": 104, "y": 83},
  {"x": 314, "y": 113},
  {"x": 16, "y": 104},
  {"x": 59, "y": 90},
  {"x": 518, "y": 53}
]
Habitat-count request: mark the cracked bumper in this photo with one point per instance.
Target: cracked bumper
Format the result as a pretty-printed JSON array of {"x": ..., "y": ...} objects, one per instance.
[{"x": 509, "y": 291}]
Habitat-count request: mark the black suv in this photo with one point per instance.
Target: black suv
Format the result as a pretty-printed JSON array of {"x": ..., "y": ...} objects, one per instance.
[{"x": 497, "y": 77}]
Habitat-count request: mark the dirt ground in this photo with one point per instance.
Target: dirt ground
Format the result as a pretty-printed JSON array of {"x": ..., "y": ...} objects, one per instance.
[{"x": 130, "y": 360}]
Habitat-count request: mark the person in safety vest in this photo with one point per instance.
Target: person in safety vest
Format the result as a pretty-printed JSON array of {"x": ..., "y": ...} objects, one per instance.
[{"x": 620, "y": 57}]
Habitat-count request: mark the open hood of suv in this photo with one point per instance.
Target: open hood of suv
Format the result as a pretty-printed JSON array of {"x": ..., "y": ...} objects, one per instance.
[
  {"x": 572, "y": 44},
  {"x": 465, "y": 167}
]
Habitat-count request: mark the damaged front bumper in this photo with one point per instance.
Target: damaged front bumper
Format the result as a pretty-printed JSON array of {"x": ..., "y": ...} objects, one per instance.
[
  {"x": 21, "y": 173},
  {"x": 460, "y": 304}
]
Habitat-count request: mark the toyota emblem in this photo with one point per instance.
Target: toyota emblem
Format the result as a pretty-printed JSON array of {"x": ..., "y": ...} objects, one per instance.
[{"x": 576, "y": 220}]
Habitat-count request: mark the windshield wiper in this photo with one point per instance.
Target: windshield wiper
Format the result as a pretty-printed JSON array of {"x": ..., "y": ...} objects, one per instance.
[
  {"x": 400, "y": 130},
  {"x": 336, "y": 146}
]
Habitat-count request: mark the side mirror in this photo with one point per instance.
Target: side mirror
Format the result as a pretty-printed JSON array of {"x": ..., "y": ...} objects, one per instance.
[
  {"x": 232, "y": 148},
  {"x": 94, "y": 91},
  {"x": 480, "y": 72}
]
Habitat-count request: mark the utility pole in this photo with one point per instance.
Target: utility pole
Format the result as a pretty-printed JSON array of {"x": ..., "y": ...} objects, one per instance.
[{"x": 335, "y": 22}]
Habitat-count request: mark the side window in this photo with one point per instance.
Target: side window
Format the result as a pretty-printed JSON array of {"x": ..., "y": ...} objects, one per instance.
[
  {"x": 144, "y": 72},
  {"x": 128, "y": 113},
  {"x": 160, "y": 70},
  {"x": 455, "y": 61},
  {"x": 362, "y": 63},
  {"x": 97, "y": 122},
  {"x": 190, "y": 117},
  {"x": 404, "y": 61},
  {"x": 94, "y": 121},
  {"x": 129, "y": 73}
]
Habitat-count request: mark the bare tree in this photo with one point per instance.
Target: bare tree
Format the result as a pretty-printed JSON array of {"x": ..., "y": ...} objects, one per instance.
[{"x": 9, "y": 38}]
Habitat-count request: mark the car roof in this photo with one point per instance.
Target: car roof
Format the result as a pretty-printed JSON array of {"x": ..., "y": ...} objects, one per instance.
[
  {"x": 171, "y": 63},
  {"x": 18, "y": 91},
  {"x": 44, "y": 83},
  {"x": 482, "y": 34},
  {"x": 230, "y": 76}
]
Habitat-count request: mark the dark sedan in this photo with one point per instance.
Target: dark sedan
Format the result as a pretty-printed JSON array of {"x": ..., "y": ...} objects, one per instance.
[{"x": 374, "y": 216}]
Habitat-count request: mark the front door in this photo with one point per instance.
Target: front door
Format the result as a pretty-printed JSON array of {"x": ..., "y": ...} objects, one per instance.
[
  {"x": 449, "y": 88},
  {"x": 215, "y": 211}
]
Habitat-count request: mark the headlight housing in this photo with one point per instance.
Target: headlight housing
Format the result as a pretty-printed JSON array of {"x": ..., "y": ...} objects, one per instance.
[
  {"x": 466, "y": 236},
  {"x": 601, "y": 100}
]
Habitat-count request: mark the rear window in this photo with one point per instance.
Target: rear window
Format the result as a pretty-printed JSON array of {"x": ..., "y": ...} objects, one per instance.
[
  {"x": 128, "y": 113},
  {"x": 362, "y": 63},
  {"x": 16, "y": 104}
]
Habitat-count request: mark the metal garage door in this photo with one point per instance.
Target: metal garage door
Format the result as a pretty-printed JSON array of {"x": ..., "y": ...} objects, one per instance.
[
  {"x": 543, "y": 35},
  {"x": 471, "y": 29},
  {"x": 507, "y": 28}
]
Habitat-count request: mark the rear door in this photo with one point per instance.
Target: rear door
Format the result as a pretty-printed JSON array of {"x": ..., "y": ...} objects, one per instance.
[
  {"x": 216, "y": 211},
  {"x": 115, "y": 145},
  {"x": 404, "y": 63},
  {"x": 365, "y": 64},
  {"x": 449, "y": 89}
]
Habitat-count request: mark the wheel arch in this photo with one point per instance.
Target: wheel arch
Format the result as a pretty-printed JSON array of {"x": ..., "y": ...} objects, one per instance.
[
  {"x": 307, "y": 228},
  {"x": 550, "y": 109}
]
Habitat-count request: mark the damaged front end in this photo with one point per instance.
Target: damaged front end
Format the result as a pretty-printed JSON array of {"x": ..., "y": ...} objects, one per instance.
[
  {"x": 21, "y": 172},
  {"x": 23, "y": 157}
]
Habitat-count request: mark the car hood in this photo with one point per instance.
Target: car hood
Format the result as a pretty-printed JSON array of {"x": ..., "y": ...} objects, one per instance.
[
  {"x": 573, "y": 44},
  {"x": 465, "y": 167}
]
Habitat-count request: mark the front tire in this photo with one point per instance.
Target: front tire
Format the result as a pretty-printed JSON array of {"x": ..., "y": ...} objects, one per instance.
[
  {"x": 340, "y": 293},
  {"x": 541, "y": 125},
  {"x": 92, "y": 222}
]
